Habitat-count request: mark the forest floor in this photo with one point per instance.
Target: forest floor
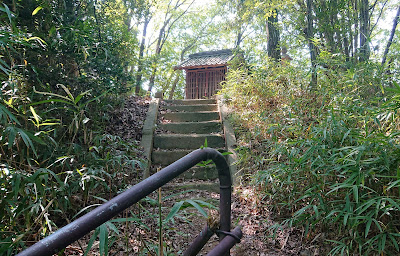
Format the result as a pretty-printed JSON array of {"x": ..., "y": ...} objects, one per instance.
[{"x": 141, "y": 237}]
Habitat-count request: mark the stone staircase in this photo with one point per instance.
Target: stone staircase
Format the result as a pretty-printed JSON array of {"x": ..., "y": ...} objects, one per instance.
[
  {"x": 185, "y": 126},
  {"x": 175, "y": 128}
]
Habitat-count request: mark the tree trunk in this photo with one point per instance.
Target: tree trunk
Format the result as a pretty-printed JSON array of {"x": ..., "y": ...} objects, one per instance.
[
  {"x": 338, "y": 28},
  {"x": 160, "y": 42},
  {"x": 158, "y": 51},
  {"x": 187, "y": 48},
  {"x": 349, "y": 25},
  {"x": 141, "y": 53},
  {"x": 171, "y": 94},
  {"x": 395, "y": 21},
  {"x": 333, "y": 30},
  {"x": 325, "y": 20},
  {"x": 356, "y": 30},
  {"x": 311, "y": 46},
  {"x": 346, "y": 49},
  {"x": 97, "y": 20},
  {"x": 163, "y": 35},
  {"x": 273, "y": 46},
  {"x": 152, "y": 77},
  {"x": 239, "y": 38},
  {"x": 364, "y": 31}
]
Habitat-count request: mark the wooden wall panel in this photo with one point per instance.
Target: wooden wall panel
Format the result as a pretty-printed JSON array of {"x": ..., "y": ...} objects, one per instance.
[{"x": 204, "y": 82}]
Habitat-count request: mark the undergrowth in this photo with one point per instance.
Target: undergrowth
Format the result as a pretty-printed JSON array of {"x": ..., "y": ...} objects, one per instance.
[
  {"x": 55, "y": 158},
  {"x": 50, "y": 169},
  {"x": 327, "y": 159}
]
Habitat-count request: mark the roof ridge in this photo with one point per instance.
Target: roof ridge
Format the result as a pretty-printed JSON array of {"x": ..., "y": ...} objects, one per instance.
[
  {"x": 208, "y": 58},
  {"x": 211, "y": 53}
]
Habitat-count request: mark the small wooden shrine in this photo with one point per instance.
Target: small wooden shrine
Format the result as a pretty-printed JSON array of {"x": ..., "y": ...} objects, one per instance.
[{"x": 204, "y": 72}]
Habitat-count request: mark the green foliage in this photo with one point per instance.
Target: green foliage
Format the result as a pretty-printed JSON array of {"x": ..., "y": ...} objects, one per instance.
[
  {"x": 30, "y": 198},
  {"x": 341, "y": 175},
  {"x": 332, "y": 154},
  {"x": 165, "y": 219},
  {"x": 327, "y": 160},
  {"x": 197, "y": 204},
  {"x": 60, "y": 72}
]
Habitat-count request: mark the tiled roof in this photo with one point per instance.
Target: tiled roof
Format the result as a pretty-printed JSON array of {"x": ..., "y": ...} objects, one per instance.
[{"x": 211, "y": 58}]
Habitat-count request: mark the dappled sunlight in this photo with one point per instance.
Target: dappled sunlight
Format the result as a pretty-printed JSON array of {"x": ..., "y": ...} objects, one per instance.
[{"x": 311, "y": 88}]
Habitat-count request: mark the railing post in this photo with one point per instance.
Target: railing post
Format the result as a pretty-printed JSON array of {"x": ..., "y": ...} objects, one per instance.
[
  {"x": 199, "y": 242},
  {"x": 227, "y": 243}
]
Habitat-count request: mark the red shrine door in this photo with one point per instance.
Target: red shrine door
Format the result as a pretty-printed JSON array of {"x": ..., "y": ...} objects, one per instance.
[{"x": 204, "y": 83}]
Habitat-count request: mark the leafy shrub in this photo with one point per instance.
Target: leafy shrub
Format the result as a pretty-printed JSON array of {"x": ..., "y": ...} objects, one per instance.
[
  {"x": 36, "y": 203},
  {"x": 55, "y": 158},
  {"x": 327, "y": 160}
]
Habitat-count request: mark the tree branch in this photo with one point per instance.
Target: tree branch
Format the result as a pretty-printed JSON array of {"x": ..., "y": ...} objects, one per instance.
[{"x": 379, "y": 16}]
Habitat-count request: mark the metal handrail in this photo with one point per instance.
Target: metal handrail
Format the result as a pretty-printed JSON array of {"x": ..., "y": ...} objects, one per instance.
[{"x": 88, "y": 222}]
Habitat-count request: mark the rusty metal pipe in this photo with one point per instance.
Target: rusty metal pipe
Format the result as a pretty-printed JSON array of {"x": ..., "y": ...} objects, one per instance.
[
  {"x": 227, "y": 243},
  {"x": 199, "y": 242},
  {"x": 80, "y": 227}
]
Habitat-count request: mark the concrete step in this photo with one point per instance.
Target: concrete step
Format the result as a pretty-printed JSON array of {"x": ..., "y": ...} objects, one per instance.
[
  {"x": 188, "y": 141},
  {"x": 209, "y": 172},
  {"x": 191, "y": 102},
  {"x": 191, "y": 116},
  {"x": 167, "y": 157},
  {"x": 208, "y": 186},
  {"x": 193, "y": 108},
  {"x": 192, "y": 127},
  {"x": 201, "y": 173}
]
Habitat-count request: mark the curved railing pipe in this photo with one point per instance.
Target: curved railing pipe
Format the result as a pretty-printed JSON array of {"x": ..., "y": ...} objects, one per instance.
[{"x": 88, "y": 222}]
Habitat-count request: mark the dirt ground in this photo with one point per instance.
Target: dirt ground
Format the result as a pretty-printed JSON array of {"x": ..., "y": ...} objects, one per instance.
[
  {"x": 127, "y": 121},
  {"x": 142, "y": 238}
]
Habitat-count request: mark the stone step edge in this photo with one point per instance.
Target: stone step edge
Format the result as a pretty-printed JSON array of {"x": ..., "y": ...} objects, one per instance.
[
  {"x": 208, "y": 173},
  {"x": 188, "y": 123},
  {"x": 180, "y": 152},
  {"x": 202, "y": 127},
  {"x": 198, "y": 101},
  {"x": 148, "y": 135},
  {"x": 195, "y": 105},
  {"x": 191, "y": 135},
  {"x": 221, "y": 150},
  {"x": 191, "y": 116},
  {"x": 180, "y": 112},
  {"x": 199, "y": 185}
]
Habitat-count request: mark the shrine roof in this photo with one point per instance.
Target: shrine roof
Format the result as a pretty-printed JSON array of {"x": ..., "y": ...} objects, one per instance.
[{"x": 209, "y": 58}]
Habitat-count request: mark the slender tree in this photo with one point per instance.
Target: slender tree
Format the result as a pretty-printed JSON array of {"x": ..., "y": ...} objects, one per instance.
[
  {"x": 311, "y": 46},
  {"x": 143, "y": 12},
  {"x": 237, "y": 16},
  {"x": 203, "y": 32},
  {"x": 389, "y": 43},
  {"x": 364, "y": 31},
  {"x": 273, "y": 41},
  {"x": 171, "y": 16},
  {"x": 140, "y": 64}
]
